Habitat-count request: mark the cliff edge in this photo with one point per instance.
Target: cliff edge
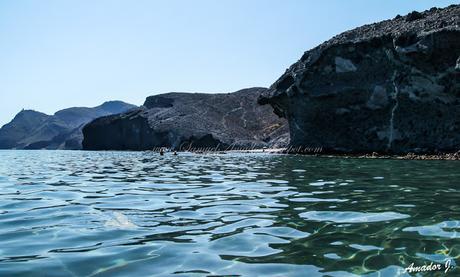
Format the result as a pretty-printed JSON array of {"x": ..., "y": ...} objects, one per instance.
[{"x": 388, "y": 87}]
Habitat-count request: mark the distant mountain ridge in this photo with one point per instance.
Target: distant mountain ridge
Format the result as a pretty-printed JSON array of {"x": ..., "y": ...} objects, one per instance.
[{"x": 31, "y": 129}]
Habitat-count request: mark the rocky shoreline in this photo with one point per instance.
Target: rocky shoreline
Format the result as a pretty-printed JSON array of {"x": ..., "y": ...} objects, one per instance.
[
  {"x": 391, "y": 87},
  {"x": 386, "y": 90},
  {"x": 410, "y": 156},
  {"x": 455, "y": 156}
]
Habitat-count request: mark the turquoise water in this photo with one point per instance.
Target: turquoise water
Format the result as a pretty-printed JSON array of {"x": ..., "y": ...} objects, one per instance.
[{"x": 66, "y": 213}]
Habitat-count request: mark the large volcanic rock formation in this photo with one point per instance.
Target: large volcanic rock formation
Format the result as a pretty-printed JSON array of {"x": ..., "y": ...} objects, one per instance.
[
  {"x": 34, "y": 130},
  {"x": 190, "y": 120},
  {"x": 391, "y": 87}
]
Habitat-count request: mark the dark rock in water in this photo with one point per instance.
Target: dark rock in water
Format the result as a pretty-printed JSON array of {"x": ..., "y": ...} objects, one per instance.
[
  {"x": 35, "y": 130},
  {"x": 190, "y": 120},
  {"x": 392, "y": 87}
]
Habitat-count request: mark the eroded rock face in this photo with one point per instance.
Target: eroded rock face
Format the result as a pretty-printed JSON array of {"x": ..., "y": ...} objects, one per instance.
[
  {"x": 190, "y": 120},
  {"x": 392, "y": 87}
]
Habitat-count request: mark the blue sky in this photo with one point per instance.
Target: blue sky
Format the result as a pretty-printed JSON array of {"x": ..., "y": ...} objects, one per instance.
[{"x": 61, "y": 53}]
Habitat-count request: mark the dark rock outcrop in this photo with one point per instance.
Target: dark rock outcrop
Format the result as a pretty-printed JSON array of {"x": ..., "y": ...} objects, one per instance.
[
  {"x": 390, "y": 87},
  {"x": 190, "y": 120},
  {"x": 35, "y": 130}
]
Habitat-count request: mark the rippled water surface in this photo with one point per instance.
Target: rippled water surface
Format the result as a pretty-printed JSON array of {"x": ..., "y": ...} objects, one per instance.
[{"x": 65, "y": 213}]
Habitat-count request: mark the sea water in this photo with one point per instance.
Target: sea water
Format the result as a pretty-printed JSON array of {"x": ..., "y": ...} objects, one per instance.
[{"x": 77, "y": 213}]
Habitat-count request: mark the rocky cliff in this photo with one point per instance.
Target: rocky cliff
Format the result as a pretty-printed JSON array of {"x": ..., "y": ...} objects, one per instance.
[
  {"x": 391, "y": 87},
  {"x": 34, "y": 130},
  {"x": 190, "y": 120}
]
